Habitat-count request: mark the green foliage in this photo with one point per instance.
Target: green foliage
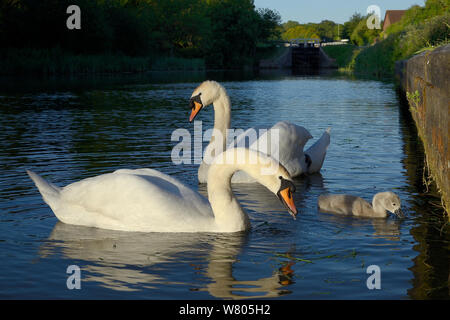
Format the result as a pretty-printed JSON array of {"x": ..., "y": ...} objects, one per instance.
[
  {"x": 350, "y": 25},
  {"x": 290, "y": 24},
  {"x": 236, "y": 30},
  {"x": 183, "y": 26},
  {"x": 419, "y": 29},
  {"x": 268, "y": 24},
  {"x": 413, "y": 99},
  {"x": 326, "y": 30},
  {"x": 417, "y": 15},
  {"x": 344, "y": 55},
  {"x": 299, "y": 32},
  {"x": 355, "y": 29},
  {"x": 380, "y": 58},
  {"x": 224, "y": 33},
  {"x": 56, "y": 61},
  {"x": 431, "y": 32},
  {"x": 361, "y": 35},
  {"x": 175, "y": 63}
]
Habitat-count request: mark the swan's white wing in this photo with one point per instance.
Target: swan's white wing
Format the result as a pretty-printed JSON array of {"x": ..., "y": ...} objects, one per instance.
[
  {"x": 283, "y": 141},
  {"x": 318, "y": 151},
  {"x": 135, "y": 200}
]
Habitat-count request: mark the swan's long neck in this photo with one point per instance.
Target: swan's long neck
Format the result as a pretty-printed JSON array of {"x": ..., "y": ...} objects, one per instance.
[
  {"x": 229, "y": 216},
  {"x": 378, "y": 207},
  {"x": 222, "y": 118},
  {"x": 228, "y": 213},
  {"x": 218, "y": 142}
]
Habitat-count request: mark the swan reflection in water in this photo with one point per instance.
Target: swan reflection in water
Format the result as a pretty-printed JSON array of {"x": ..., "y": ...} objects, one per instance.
[{"x": 132, "y": 261}]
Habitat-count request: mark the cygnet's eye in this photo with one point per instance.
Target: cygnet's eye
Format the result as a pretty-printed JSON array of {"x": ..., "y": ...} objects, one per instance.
[{"x": 394, "y": 204}]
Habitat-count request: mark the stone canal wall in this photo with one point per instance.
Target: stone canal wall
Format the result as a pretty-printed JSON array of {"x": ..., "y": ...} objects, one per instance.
[
  {"x": 287, "y": 60},
  {"x": 424, "y": 79}
]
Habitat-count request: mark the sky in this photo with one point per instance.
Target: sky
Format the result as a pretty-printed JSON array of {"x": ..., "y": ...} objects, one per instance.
[{"x": 339, "y": 11}]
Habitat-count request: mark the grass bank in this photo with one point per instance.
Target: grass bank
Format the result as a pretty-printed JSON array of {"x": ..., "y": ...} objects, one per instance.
[
  {"x": 55, "y": 61},
  {"x": 402, "y": 40},
  {"x": 344, "y": 55},
  {"x": 379, "y": 59}
]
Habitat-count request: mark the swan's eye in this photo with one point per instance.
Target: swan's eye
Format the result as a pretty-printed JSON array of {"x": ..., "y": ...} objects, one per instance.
[
  {"x": 195, "y": 103},
  {"x": 394, "y": 204},
  {"x": 287, "y": 185}
]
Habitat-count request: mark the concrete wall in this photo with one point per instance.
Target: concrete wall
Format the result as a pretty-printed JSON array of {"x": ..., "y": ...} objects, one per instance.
[
  {"x": 428, "y": 73},
  {"x": 284, "y": 61},
  {"x": 326, "y": 61},
  {"x": 281, "y": 62}
]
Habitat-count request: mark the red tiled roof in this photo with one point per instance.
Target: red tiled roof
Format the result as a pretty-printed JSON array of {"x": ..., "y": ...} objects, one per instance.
[{"x": 392, "y": 16}]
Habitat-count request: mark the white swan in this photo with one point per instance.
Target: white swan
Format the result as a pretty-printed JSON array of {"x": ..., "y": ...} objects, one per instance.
[
  {"x": 356, "y": 206},
  {"x": 315, "y": 155},
  {"x": 149, "y": 201},
  {"x": 287, "y": 149}
]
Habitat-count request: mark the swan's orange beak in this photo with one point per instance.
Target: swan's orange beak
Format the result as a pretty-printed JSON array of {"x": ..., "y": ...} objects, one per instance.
[
  {"x": 195, "y": 110},
  {"x": 288, "y": 200}
]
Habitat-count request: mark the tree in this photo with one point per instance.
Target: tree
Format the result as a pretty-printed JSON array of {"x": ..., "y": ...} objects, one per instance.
[
  {"x": 327, "y": 30},
  {"x": 269, "y": 20},
  {"x": 224, "y": 32},
  {"x": 234, "y": 33},
  {"x": 362, "y": 35},
  {"x": 350, "y": 25},
  {"x": 290, "y": 24},
  {"x": 300, "y": 31},
  {"x": 183, "y": 23}
]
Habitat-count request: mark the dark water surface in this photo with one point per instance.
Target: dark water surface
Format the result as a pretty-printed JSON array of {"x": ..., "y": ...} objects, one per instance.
[{"x": 68, "y": 130}]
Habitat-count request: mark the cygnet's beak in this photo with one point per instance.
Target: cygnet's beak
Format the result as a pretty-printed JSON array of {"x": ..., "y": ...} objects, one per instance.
[
  {"x": 399, "y": 213},
  {"x": 196, "y": 105}
]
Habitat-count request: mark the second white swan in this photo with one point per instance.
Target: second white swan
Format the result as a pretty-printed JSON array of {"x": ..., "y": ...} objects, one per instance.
[{"x": 286, "y": 147}]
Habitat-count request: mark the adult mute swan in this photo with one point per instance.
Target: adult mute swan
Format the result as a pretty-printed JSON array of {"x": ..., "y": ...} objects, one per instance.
[
  {"x": 356, "y": 206},
  {"x": 284, "y": 141},
  {"x": 149, "y": 201}
]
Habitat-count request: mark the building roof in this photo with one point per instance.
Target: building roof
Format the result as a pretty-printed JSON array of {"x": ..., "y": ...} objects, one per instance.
[{"x": 392, "y": 16}]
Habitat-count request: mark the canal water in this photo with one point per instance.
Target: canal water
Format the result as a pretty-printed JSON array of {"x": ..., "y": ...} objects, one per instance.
[{"x": 70, "y": 129}]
